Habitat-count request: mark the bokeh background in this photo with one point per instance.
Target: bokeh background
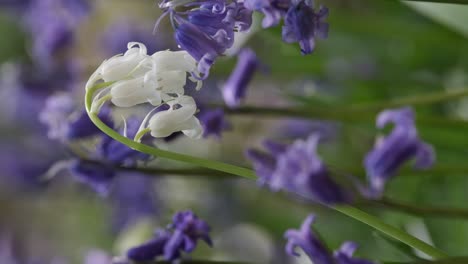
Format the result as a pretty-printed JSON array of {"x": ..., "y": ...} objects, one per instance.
[{"x": 377, "y": 51}]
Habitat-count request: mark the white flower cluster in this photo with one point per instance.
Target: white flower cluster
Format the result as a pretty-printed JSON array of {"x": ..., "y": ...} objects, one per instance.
[{"x": 158, "y": 79}]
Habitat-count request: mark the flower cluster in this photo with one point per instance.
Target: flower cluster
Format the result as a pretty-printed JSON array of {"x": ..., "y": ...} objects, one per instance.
[
  {"x": 306, "y": 239},
  {"x": 206, "y": 29},
  {"x": 180, "y": 237},
  {"x": 159, "y": 79},
  {"x": 391, "y": 152},
  {"x": 297, "y": 168}
]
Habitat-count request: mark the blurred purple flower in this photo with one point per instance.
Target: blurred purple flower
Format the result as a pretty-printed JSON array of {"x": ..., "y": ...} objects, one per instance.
[
  {"x": 65, "y": 123},
  {"x": 298, "y": 169},
  {"x": 28, "y": 88},
  {"x": 97, "y": 175},
  {"x": 303, "y": 25},
  {"x": 235, "y": 88},
  {"x": 307, "y": 240},
  {"x": 344, "y": 255},
  {"x": 181, "y": 236},
  {"x": 213, "y": 122},
  {"x": 52, "y": 24},
  {"x": 392, "y": 151}
]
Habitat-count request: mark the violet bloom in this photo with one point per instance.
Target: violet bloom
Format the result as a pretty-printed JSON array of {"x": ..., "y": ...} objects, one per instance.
[
  {"x": 298, "y": 169},
  {"x": 307, "y": 240},
  {"x": 206, "y": 29},
  {"x": 344, "y": 255},
  {"x": 181, "y": 236},
  {"x": 302, "y": 24},
  {"x": 188, "y": 229},
  {"x": 213, "y": 122},
  {"x": 392, "y": 151},
  {"x": 235, "y": 88}
]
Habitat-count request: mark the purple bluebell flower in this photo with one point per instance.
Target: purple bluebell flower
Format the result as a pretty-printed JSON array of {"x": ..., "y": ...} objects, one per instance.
[
  {"x": 392, "y": 151},
  {"x": 235, "y": 88},
  {"x": 302, "y": 24},
  {"x": 213, "y": 122},
  {"x": 308, "y": 241},
  {"x": 206, "y": 29},
  {"x": 181, "y": 236},
  {"x": 344, "y": 255},
  {"x": 117, "y": 36},
  {"x": 298, "y": 169}
]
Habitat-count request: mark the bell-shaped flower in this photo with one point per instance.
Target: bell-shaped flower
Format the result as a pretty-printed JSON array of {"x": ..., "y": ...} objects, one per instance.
[
  {"x": 132, "y": 63},
  {"x": 140, "y": 78},
  {"x": 179, "y": 117},
  {"x": 394, "y": 150}
]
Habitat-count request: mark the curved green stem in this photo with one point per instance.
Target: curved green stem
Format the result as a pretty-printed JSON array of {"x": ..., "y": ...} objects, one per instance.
[
  {"x": 247, "y": 173},
  {"x": 206, "y": 163}
]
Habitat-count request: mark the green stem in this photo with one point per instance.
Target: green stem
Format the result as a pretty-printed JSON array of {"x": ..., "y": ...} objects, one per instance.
[
  {"x": 206, "y": 163},
  {"x": 391, "y": 231},
  {"x": 247, "y": 173}
]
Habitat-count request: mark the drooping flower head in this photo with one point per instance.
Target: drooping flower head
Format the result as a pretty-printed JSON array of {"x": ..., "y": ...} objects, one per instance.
[
  {"x": 206, "y": 29},
  {"x": 180, "y": 237},
  {"x": 159, "y": 79},
  {"x": 302, "y": 24},
  {"x": 298, "y": 169},
  {"x": 392, "y": 151}
]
